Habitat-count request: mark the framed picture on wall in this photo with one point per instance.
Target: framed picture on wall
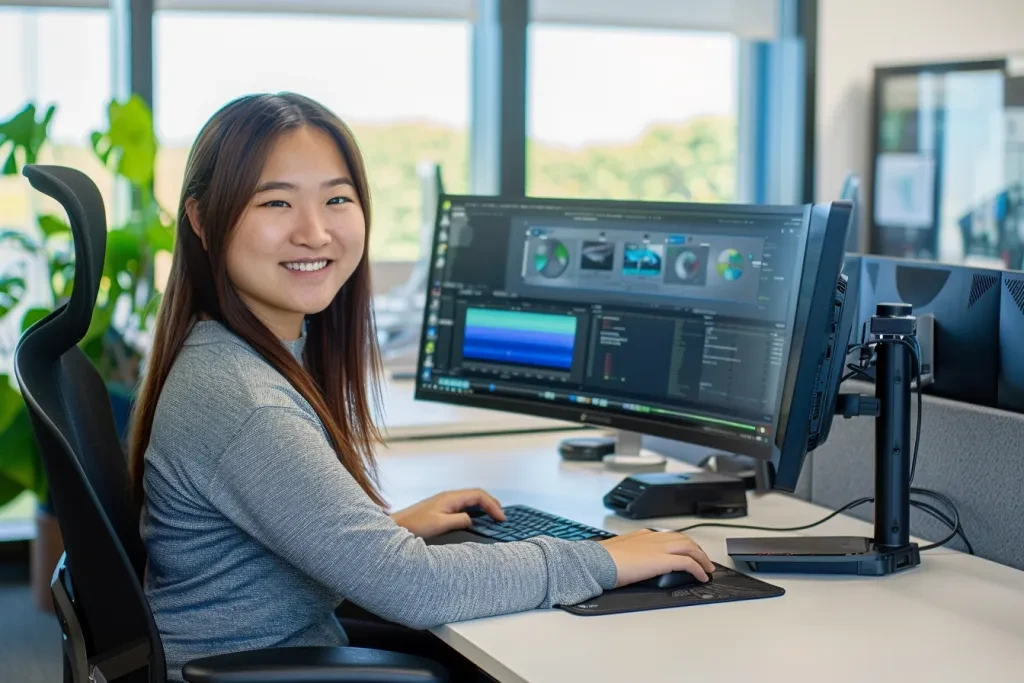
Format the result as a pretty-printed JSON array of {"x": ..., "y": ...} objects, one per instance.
[{"x": 948, "y": 163}]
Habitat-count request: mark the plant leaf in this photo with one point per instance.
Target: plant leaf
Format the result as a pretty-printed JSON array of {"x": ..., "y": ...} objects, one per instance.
[
  {"x": 10, "y": 402},
  {"x": 11, "y": 291},
  {"x": 23, "y": 240},
  {"x": 101, "y": 317},
  {"x": 19, "y": 454},
  {"x": 122, "y": 249},
  {"x": 25, "y": 134},
  {"x": 98, "y": 140},
  {"x": 8, "y": 489},
  {"x": 160, "y": 236},
  {"x": 130, "y": 134},
  {"x": 53, "y": 226},
  {"x": 32, "y": 316}
]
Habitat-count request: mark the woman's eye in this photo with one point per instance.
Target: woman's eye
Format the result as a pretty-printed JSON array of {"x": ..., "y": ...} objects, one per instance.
[
  {"x": 338, "y": 200},
  {"x": 276, "y": 203}
]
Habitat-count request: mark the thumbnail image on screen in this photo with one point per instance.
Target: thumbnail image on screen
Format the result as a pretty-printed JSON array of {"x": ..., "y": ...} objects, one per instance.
[{"x": 643, "y": 260}]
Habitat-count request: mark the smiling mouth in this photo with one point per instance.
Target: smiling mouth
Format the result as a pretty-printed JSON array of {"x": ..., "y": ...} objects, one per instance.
[{"x": 306, "y": 266}]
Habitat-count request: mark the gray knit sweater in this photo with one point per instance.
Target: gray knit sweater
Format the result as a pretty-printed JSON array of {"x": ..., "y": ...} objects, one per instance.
[{"x": 256, "y": 532}]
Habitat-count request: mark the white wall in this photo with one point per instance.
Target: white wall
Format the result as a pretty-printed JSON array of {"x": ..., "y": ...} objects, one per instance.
[{"x": 854, "y": 36}]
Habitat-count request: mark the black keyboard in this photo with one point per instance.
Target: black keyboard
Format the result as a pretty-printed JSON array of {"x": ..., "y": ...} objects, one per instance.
[{"x": 522, "y": 522}]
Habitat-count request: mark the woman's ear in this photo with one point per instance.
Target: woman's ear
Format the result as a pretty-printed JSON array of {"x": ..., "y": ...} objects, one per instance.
[{"x": 192, "y": 211}]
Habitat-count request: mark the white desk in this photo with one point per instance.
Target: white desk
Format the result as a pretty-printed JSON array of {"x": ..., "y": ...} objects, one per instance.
[
  {"x": 406, "y": 418},
  {"x": 955, "y": 618}
]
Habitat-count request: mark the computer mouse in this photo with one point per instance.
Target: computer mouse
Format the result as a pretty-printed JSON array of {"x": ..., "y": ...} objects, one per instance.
[{"x": 678, "y": 579}]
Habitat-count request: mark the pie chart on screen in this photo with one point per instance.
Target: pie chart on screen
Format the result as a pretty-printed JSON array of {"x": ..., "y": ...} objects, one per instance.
[
  {"x": 551, "y": 258},
  {"x": 730, "y": 265},
  {"x": 687, "y": 265}
]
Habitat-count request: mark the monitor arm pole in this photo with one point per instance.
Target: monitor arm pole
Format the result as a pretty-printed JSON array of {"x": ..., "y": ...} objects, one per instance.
[
  {"x": 889, "y": 551},
  {"x": 894, "y": 330}
]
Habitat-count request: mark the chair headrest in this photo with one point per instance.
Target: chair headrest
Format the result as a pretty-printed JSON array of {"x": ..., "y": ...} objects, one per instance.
[{"x": 84, "y": 206}]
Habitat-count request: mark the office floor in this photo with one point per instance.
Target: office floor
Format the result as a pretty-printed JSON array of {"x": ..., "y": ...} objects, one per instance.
[{"x": 29, "y": 639}]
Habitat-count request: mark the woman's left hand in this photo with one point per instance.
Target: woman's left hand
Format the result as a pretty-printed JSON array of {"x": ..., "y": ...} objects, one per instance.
[{"x": 444, "y": 512}]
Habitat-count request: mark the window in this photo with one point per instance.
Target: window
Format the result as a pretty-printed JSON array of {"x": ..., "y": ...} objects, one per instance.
[
  {"x": 59, "y": 57},
  {"x": 402, "y": 85},
  {"x": 632, "y": 114}
]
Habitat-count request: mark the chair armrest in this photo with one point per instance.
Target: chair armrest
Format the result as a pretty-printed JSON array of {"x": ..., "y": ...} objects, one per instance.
[{"x": 314, "y": 665}]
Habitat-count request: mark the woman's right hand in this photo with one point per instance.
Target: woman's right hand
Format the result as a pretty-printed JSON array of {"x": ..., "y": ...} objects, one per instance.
[{"x": 644, "y": 554}]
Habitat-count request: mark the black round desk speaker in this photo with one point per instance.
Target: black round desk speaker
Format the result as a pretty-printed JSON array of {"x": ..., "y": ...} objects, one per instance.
[{"x": 586, "y": 448}]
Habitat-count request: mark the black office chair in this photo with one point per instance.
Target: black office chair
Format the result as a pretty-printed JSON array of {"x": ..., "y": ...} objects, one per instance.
[{"x": 108, "y": 630}]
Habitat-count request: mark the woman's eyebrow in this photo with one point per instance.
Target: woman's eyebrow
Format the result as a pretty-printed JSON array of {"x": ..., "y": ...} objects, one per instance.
[{"x": 283, "y": 185}]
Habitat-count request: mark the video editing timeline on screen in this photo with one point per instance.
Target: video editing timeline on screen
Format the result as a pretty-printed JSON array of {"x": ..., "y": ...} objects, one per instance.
[{"x": 679, "y": 321}]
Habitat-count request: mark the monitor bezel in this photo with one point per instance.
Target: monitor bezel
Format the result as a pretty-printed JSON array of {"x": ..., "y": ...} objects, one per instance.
[
  {"x": 613, "y": 420},
  {"x": 826, "y": 251}
]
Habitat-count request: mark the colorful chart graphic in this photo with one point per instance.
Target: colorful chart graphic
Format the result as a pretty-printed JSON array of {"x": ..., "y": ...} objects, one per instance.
[
  {"x": 551, "y": 258},
  {"x": 687, "y": 265},
  {"x": 730, "y": 265},
  {"x": 520, "y": 338}
]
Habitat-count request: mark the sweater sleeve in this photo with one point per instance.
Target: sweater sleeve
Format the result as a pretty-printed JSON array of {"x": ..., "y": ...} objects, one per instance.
[{"x": 280, "y": 481}]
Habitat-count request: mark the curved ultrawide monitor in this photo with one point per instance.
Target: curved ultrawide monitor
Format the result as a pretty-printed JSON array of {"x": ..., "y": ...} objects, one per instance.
[{"x": 672, "y": 319}]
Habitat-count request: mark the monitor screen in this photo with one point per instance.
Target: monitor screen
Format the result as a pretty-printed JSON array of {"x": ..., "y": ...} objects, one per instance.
[{"x": 666, "y": 319}]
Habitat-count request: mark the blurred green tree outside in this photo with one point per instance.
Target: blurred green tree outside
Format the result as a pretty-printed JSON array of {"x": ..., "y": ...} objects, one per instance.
[{"x": 690, "y": 161}]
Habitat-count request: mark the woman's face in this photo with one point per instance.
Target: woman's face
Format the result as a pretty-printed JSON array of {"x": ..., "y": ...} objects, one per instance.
[{"x": 302, "y": 234}]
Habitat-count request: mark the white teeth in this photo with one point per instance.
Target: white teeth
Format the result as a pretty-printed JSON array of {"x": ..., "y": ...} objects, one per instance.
[{"x": 306, "y": 266}]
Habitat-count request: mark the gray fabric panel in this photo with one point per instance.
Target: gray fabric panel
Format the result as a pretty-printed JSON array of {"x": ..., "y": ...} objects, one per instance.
[{"x": 970, "y": 453}]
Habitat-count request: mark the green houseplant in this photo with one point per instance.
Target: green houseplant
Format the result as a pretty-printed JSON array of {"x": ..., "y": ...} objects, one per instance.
[{"x": 115, "y": 341}]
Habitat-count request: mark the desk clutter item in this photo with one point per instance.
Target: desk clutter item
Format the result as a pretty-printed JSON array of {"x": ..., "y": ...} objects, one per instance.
[
  {"x": 586, "y": 448},
  {"x": 674, "y": 494},
  {"x": 726, "y": 585}
]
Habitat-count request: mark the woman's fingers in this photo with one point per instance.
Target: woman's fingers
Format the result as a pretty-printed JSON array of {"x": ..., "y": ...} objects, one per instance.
[
  {"x": 685, "y": 563},
  {"x": 692, "y": 550},
  {"x": 456, "y": 501}
]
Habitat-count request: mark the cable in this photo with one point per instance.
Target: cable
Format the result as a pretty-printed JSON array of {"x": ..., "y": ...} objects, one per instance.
[
  {"x": 857, "y": 371},
  {"x": 956, "y": 525},
  {"x": 939, "y": 544},
  {"x": 915, "y": 349},
  {"x": 848, "y": 506},
  {"x": 941, "y": 516}
]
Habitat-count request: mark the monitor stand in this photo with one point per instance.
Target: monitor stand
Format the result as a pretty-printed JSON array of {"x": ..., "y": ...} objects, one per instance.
[
  {"x": 890, "y": 550},
  {"x": 754, "y": 472},
  {"x": 631, "y": 456}
]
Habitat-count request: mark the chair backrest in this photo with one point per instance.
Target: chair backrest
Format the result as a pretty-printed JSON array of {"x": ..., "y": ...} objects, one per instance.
[{"x": 100, "y": 578}]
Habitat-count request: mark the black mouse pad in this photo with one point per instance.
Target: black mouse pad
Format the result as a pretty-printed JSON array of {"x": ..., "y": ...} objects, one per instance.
[{"x": 727, "y": 585}]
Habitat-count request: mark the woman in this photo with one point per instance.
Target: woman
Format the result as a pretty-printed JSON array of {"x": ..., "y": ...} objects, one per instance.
[{"x": 252, "y": 444}]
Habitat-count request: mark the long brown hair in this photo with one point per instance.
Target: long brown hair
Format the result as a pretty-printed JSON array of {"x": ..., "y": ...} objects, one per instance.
[{"x": 342, "y": 360}]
